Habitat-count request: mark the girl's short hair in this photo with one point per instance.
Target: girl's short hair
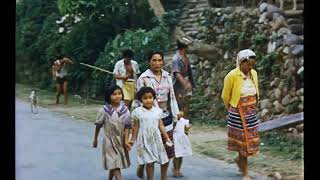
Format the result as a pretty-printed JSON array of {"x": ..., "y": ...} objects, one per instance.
[
  {"x": 145, "y": 90},
  {"x": 151, "y": 53},
  {"x": 109, "y": 91}
]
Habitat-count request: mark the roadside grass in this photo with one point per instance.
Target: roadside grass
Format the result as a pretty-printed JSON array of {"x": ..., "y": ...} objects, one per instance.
[{"x": 278, "y": 153}]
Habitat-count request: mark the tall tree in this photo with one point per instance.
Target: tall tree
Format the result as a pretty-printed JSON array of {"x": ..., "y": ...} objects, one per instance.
[{"x": 157, "y": 7}]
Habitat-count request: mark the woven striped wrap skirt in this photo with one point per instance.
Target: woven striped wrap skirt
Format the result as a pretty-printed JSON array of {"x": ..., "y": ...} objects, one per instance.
[
  {"x": 243, "y": 125},
  {"x": 169, "y": 150}
]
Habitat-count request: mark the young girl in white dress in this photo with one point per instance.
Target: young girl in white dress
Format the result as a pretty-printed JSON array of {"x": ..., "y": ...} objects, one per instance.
[
  {"x": 146, "y": 132},
  {"x": 181, "y": 143}
]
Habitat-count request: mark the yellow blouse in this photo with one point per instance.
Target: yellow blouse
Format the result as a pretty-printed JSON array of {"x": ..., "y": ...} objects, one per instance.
[{"x": 233, "y": 83}]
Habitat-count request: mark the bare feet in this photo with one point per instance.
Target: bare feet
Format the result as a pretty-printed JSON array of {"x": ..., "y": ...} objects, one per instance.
[
  {"x": 177, "y": 174},
  {"x": 246, "y": 178},
  {"x": 180, "y": 174},
  {"x": 236, "y": 160}
]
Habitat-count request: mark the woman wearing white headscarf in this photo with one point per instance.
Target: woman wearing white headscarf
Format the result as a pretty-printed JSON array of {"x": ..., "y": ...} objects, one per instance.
[{"x": 240, "y": 94}]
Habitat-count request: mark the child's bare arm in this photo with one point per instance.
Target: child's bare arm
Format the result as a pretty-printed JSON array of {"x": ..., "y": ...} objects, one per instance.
[
  {"x": 126, "y": 135},
  {"x": 127, "y": 146},
  {"x": 174, "y": 125},
  {"x": 187, "y": 127},
  {"x": 135, "y": 129},
  {"x": 56, "y": 67},
  {"x": 163, "y": 131},
  {"x": 96, "y": 134}
]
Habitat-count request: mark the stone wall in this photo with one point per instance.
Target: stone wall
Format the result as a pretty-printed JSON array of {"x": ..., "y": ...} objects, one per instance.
[{"x": 275, "y": 35}]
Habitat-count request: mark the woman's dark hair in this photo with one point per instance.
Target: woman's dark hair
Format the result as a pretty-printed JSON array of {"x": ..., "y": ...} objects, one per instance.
[
  {"x": 127, "y": 53},
  {"x": 243, "y": 61},
  {"x": 180, "y": 45},
  {"x": 150, "y": 54},
  {"x": 145, "y": 90},
  {"x": 249, "y": 58},
  {"x": 109, "y": 91}
]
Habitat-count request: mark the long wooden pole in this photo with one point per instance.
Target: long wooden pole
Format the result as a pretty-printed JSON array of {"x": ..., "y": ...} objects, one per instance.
[{"x": 94, "y": 67}]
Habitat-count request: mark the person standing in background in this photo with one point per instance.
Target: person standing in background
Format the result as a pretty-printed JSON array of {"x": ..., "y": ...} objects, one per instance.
[
  {"x": 126, "y": 73},
  {"x": 240, "y": 95},
  {"x": 60, "y": 73},
  {"x": 182, "y": 76}
]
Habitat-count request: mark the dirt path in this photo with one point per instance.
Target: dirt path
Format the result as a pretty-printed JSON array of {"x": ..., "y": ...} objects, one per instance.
[{"x": 209, "y": 135}]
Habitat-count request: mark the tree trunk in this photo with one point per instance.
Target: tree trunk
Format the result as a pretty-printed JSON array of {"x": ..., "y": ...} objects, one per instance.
[
  {"x": 130, "y": 20},
  {"x": 158, "y": 10},
  {"x": 157, "y": 7}
]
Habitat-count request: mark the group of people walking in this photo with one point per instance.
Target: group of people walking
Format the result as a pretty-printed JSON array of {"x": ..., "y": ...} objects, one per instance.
[
  {"x": 158, "y": 126},
  {"x": 159, "y": 118}
]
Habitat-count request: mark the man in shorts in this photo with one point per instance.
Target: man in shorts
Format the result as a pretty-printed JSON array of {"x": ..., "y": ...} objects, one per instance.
[{"x": 60, "y": 73}]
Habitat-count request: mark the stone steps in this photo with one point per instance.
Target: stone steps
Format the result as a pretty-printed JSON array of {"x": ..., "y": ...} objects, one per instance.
[
  {"x": 190, "y": 17},
  {"x": 203, "y": 2},
  {"x": 297, "y": 29},
  {"x": 204, "y": 5},
  {"x": 187, "y": 20},
  {"x": 293, "y": 14},
  {"x": 193, "y": 32},
  {"x": 294, "y": 21},
  {"x": 191, "y": 29}
]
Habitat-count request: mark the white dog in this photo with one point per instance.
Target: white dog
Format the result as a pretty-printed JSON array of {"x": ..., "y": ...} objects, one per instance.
[
  {"x": 78, "y": 98},
  {"x": 34, "y": 102}
]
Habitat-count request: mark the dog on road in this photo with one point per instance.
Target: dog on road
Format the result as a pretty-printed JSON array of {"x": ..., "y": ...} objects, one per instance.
[{"x": 34, "y": 102}]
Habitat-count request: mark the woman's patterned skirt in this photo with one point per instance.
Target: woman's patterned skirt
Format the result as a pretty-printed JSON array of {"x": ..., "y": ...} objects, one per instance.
[{"x": 243, "y": 125}]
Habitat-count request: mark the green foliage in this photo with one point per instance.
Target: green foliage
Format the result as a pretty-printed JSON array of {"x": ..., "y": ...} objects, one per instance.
[
  {"x": 230, "y": 39},
  {"x": 293, "y": 107},
  {"x": 67, "y": 6},
  {"x": 267, "y": 66},
  {"x": 213, "y": 18},
  {"x": 38, "y": 42},
  {"x": 169, "y": 19},
  {"x": 198, "y": 104},
  {"x": 139, "y": 41},
  {"x": 201, "y": 110},
  {"x": 32, "y": 22},
  {"x": 259, "y": 39},
  {"x": 127, "y": 13}
]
